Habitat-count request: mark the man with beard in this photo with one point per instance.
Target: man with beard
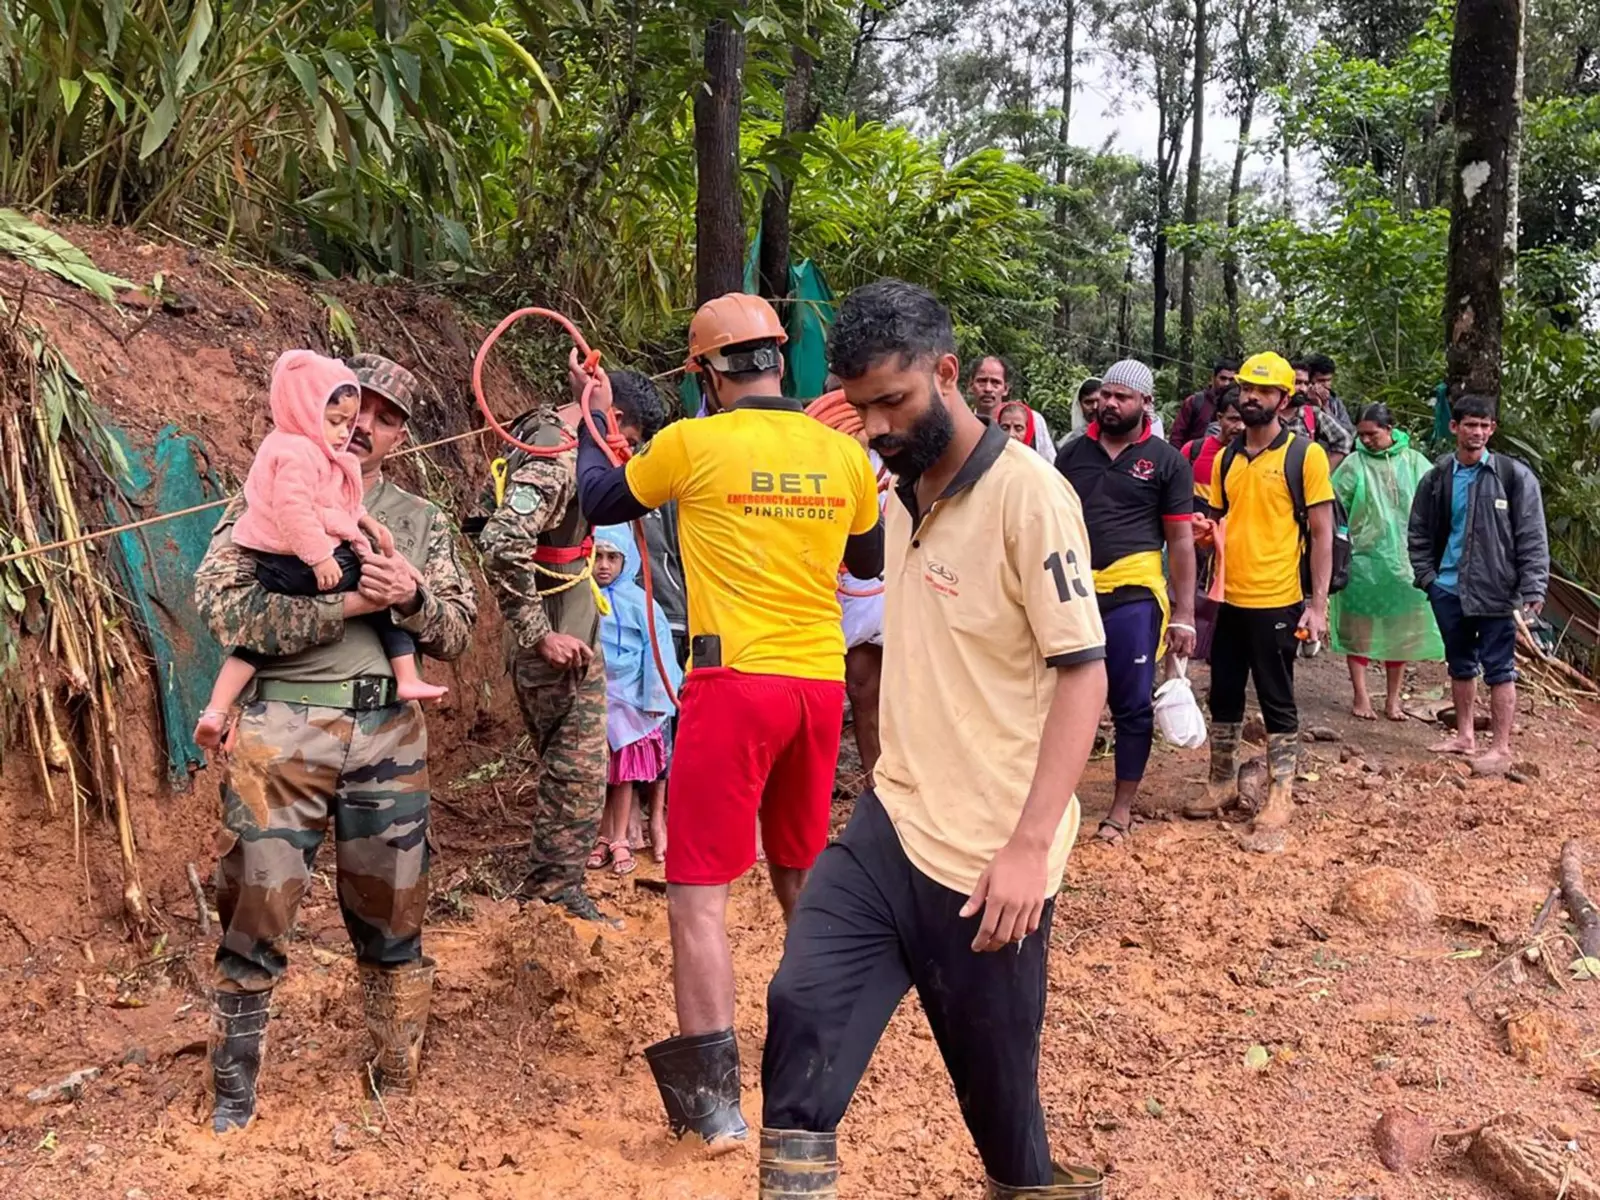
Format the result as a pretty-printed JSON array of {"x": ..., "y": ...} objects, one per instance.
[
  {"x": 1198, "y": 411},
  {"x": 1306, "y": 414},
  {"x": 1137, "y": 493},
  {"x": 1275, "y": 495},
  {"x": 945, "y": 876},
  {"x": 770, "y": 502},
  {"x": 323, "y": 744},
  {"x": 991, "y": 387}
]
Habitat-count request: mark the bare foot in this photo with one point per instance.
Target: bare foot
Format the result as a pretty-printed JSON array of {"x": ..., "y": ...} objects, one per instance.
[
  {"x": 209, "y": 729},
  {"x": 1455, "y": 744},
  {"x": 1495, "y": 762},
  {"x": 420, "y": 691},
  {"x": 1394, "y": 711},
  {"x": 1362, "y": 711}
]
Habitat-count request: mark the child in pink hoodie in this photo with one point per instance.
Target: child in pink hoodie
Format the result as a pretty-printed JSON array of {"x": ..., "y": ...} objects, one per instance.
[{"x": 305, "y": 520}]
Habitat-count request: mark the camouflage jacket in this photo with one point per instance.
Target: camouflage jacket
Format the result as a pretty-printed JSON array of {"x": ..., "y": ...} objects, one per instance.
[
  {"x": 242, "y": 613},
  {"x": 540, "y": 507}
]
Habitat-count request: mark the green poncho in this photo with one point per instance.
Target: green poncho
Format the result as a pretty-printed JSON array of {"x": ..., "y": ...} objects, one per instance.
[{"x": 1380, "y": 615}]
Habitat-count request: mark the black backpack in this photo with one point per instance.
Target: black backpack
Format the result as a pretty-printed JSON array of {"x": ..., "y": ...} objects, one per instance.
[{"x": 1294, "y": 474}]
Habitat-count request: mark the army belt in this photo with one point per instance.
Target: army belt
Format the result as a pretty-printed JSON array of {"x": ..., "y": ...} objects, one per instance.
[{"x": 363, "y": 694}]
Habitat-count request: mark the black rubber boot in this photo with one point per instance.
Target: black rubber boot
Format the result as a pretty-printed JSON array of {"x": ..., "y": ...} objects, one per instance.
[
  {"x": 698, "y": 1076},
  {"x": 396, "y": 1000},
  {"x": 1072, "y": 1182},
  {"x": 238, "y": 1040},
  {"x": 797, "y": 1164},
  {"x": 581, "y": 905}
]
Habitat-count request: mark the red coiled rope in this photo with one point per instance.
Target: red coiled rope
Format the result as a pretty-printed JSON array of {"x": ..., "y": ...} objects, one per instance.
[{"x": 611, "y": 442}]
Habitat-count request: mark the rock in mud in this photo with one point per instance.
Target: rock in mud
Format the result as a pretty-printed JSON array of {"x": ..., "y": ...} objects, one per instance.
[
  {"x": 1384, "y": 897},
  {"x": 1324, "y": 733},
  {"x": 1255, "y": 730},
  {"x": 1528, "y": 1039},
  {"x": 63, "y": 1090},
  {"x": 1403, "y": 1140}
]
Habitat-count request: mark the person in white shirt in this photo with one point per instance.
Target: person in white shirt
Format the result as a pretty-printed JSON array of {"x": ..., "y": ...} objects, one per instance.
[{"x": 991, "y": 387}]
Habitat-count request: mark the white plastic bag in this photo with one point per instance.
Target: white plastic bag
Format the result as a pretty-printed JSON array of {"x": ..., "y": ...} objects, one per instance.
[{"x": 1178, "y": 715}]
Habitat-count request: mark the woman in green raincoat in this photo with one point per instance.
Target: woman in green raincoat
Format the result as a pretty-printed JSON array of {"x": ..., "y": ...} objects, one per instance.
[{"x": 1380, "y": 614}]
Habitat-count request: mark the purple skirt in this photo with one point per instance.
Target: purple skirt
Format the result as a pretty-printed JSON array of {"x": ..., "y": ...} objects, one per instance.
[{"x": 639, "y": 762}]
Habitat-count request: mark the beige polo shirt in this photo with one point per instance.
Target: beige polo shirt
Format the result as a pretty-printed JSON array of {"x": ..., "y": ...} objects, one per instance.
[{"x": 986, "y": 595}]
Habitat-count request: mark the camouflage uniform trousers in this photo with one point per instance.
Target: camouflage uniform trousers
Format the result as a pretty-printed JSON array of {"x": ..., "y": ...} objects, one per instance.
[
  {"x": 566, "y": 715},
  {"x": 295, "y": 768}
]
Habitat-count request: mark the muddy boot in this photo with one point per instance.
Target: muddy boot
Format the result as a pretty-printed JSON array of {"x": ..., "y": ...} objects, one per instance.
[
  {"x": 698, "y": 1076},
  {"x": 396, "y": 1000},
  {"x": 581, "y": 905},
  {"x": 795, "y": 1164},
  {"x": 1221, "y": 790},
  {"x": 238, "y": 1040},
  {"x": 1266, "y": 834},
  {"x": 1072, "y": 1182}
]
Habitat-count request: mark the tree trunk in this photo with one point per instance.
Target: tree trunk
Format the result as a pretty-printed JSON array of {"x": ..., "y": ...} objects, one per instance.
[
  {"x": 798, "y": 117},
  {"x": 1165, "y": 151},
  {"x": 719, "y": 205},
  {"x": 391, "y": 19},
  {"x": 1230, "y": 258},
  {"x": 1483, "y": 85},
  {"x": 1191, "y": 204},
  {"x": 1514, "y": 187},
  {"x": 1124, "y": 313},
  {"x": 1068, "y": 38}
]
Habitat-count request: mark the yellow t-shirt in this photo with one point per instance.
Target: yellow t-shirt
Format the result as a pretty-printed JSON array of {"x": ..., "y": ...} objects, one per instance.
[
  {"x": 1261, "y": 552},
  {"x": 766, "y": 498}
]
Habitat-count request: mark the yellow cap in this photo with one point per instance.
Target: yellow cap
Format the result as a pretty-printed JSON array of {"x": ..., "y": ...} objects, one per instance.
[{"x": 1267, "y": 370}]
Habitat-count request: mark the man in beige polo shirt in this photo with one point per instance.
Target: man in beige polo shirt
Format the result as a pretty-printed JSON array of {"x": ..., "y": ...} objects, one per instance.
[{"x": 993, "y": 680}]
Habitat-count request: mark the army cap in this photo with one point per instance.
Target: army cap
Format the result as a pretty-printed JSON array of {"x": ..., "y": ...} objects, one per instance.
[{"x": 388, "y": 378}]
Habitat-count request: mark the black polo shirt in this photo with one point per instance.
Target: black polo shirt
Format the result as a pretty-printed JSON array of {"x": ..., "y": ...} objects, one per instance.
[{"x": 1127, "y": 500}]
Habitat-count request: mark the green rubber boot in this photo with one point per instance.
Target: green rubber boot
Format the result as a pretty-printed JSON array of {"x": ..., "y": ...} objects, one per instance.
[
  {"x": 1221, "y": 790},
  {"x": 796, "y": 1164},
  {"x": 1072, "y": 1182}
]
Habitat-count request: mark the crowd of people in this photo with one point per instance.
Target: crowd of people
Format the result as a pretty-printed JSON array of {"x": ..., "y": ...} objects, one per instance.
[{"x": 974, "y": 592}]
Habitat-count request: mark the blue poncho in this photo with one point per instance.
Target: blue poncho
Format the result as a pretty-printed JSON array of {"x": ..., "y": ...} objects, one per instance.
[{"x": 637, "y": 702}]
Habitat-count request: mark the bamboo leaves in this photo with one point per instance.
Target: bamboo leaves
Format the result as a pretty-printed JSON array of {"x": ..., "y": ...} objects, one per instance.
[{"x": 49, "y": 251}]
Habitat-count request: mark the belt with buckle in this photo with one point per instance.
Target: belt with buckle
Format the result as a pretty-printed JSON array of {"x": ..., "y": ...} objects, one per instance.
[{"x": 362, "y": 694}]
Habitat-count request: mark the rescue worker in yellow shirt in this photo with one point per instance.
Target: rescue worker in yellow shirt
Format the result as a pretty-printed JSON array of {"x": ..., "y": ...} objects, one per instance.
[{"x": 770, "y": 502}]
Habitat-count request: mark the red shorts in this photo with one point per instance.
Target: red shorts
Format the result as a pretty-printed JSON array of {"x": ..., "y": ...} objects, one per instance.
[{"x": 749, "y": 744}]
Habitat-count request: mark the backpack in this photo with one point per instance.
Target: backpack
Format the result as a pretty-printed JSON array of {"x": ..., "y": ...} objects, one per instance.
[
  {"x": 1197, "y": 445},
  {"x": 1294, "y": 475}
]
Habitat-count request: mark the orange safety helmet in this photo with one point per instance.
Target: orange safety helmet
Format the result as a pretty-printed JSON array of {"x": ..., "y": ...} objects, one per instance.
[{"x": 731, "y": 320}]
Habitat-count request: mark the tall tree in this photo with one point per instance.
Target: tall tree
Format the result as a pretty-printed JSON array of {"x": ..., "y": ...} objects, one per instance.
[
  {"x": 1483, "y": 86},
  {"x": 1069, "y": 32},
  {"x": 719, "y": 204},
  {"x": 1242, "y": 84},
  {"x": 1154, "y": 40},
  {"x": 799, "y": 116},
  {"x": 1191, "y": 200}
]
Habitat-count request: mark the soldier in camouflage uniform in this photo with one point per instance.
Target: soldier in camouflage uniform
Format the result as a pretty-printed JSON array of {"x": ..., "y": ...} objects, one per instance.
[
  {"x": 322, "y": 742},
  {"x": 536, "y": 550}
]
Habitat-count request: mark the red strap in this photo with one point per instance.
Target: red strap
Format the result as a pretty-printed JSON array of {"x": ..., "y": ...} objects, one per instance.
[{"x": 560, "y": 556}]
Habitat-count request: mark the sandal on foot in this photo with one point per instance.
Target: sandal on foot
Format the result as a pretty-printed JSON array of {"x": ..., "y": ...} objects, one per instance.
[
  {"x": 1121, "y": 831},
  {"x": 600, "y": 855},
  {"x": 622, "y": 860}
]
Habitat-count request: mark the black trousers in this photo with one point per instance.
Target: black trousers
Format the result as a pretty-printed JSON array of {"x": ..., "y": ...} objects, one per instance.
[
  {"x": 287, "y": 575},
  {"x": 870, "y": 926},
  {"x": 1256, "y": 643}
]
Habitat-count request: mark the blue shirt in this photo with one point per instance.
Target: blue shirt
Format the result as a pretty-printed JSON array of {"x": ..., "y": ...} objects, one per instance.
[{"x": 1462, "y": 478}]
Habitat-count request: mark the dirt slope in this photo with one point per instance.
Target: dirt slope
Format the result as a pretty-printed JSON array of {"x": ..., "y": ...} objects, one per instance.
[{"x": 1171, "y": 958}]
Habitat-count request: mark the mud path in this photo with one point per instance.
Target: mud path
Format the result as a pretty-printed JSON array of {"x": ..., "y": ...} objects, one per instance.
[{"x": 1172, "y": 957}]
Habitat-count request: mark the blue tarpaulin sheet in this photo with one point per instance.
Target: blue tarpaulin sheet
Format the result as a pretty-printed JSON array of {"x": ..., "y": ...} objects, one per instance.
[{"x": 157, "y": 565}]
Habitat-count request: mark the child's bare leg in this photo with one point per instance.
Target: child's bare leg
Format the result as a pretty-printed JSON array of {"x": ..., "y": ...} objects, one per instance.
[
  {"x": 658, "y": 820},
  {"x": 409, "y": 683},
  {"x": 234, "y": 677},
  {"x": 635, "y": 820},
  {"x": 619, "y": 802}
]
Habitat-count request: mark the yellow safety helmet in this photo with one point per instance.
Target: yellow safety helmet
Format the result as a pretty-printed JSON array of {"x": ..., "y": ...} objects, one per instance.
[
  {"x": 732, "y": 320},
  {"x": 1268, "y": 370}
]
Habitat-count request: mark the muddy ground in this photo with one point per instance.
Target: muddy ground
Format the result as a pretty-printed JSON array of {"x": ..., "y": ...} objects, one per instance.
[{"x": 1172, "y": 957}]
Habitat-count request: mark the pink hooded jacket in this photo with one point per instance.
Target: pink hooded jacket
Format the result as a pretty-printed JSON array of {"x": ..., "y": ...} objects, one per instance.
[{"x": 302, "y": 497}]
